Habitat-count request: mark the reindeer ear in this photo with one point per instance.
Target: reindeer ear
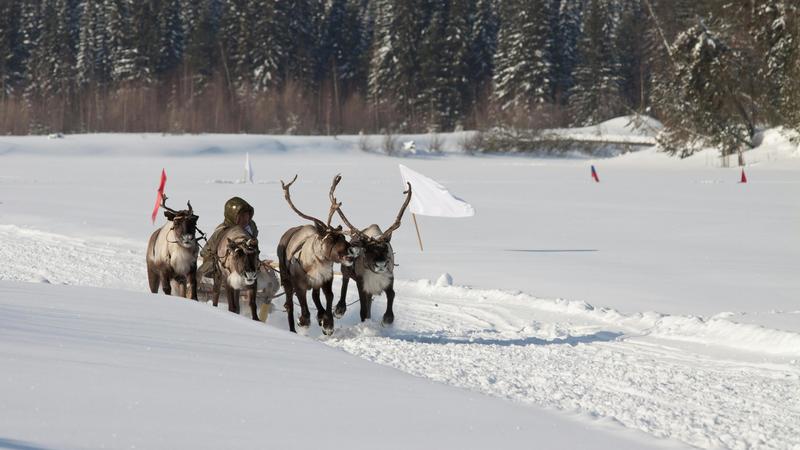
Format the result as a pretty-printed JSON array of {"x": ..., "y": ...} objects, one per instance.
[
  {"x": 169, "y": 215},
  {"x": 231, "y": 244}
]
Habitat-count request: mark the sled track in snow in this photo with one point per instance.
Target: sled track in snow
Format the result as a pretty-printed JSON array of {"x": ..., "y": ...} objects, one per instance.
[{"x": 668, "y": 376}]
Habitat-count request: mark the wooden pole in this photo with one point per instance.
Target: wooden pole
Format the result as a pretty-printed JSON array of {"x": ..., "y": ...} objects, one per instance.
[{"x": 419, "y": 238}]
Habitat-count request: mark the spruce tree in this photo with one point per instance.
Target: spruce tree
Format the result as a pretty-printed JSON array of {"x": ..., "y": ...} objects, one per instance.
[
  {"x": 482, "y": 47},
  {"x": 702, "y": 103},
  {"x": 596, "y": 94},
  {"x": 569, "y": 13},
  {"x": 12, "y": 52},
  {"x": 524, "y": 70}
]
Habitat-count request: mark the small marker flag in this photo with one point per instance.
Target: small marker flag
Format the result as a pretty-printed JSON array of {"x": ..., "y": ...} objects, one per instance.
[
  {"x": 744, "y": 177},
  {"x": 594, "y": 175}
]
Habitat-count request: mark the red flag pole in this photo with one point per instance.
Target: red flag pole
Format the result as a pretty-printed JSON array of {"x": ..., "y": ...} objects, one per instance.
[{"x": 160, "y": 194}]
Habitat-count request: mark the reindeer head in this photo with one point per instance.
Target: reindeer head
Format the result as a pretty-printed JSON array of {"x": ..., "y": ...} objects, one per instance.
[
  {"x": 333, "y": 243},
  {"x": 184, "y": 223},
  {"x": 242, "y": 260},
  {"x": 374, "y": 248}
]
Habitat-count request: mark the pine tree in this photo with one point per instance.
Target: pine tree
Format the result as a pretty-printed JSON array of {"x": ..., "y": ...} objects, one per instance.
[
  {"x": 702, "y": 103},
  {"x": 395, "y": 61},
  {"x": 524, "y": 73},
  {"x": 206, "y": 40},
  {"x": 482, "y": 47},
  {"x": 52, "y": 54},
  {"x": 596, "y": 94},
  {"x": 634, "y": 66},
  {"x": 776, "y": 30},
  {"x": 128, "y": 63},
  {"x": 171, "y": 36},
  {"x": 12, "y": 51},
  {"x": 570, "y": 13}
]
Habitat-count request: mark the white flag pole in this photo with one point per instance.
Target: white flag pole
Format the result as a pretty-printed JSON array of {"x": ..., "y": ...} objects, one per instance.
[
  {"x": 248, "y": 169},
  {"x": 419, "y": 238}
]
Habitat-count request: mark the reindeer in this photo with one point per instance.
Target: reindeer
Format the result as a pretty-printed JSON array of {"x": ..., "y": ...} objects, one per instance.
[
  {"x": 373, "y": 267},
  {"x": 237, "y": 269},
  {"x": 306, "y": 255},
  {"x": 172, "y": 253}
]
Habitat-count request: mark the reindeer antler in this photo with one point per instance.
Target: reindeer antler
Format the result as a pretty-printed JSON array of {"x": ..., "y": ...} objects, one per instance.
[
  {"x": 320, "y": 224},
  {"x": 335, "y": 205},
  {"x": 164, "y": 204},
  {"x": 388, "y": 233},
  {"x": 355, "y": 232},
  {"x": 189, "y": 204}
]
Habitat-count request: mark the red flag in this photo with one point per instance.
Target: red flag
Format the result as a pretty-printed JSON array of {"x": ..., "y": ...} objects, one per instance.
[
  {"x": 744, "y": 177},
  {"x": 594, "y": 175},
  {"x": 160, "y": 194}
]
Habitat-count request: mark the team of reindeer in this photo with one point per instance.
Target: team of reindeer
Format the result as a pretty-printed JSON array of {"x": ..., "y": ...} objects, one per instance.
[{"x": 306, "y": 258}]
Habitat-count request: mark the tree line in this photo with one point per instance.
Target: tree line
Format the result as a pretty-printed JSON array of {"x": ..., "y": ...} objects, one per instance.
[{"x": 713, "y": 71}]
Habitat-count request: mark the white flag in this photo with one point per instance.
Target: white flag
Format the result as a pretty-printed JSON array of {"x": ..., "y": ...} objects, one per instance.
[
  {"x": 429, "y": 198},
  {"x": 248, "y": 168}
]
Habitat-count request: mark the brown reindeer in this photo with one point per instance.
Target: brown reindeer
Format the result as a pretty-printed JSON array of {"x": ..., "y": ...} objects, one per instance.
[
  {"x": 373, "y": 267},
  {"x": 238, "y": 264},
  {"x": 306, "y": 255},
  {"x": 172, "y": 253}
]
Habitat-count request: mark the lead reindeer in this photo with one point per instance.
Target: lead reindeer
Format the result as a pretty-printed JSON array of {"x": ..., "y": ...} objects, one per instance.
[
  {"x": 172, "y": 253},
  {"x": 306, "y": 255},
  {"x": 373, "y": 267}
]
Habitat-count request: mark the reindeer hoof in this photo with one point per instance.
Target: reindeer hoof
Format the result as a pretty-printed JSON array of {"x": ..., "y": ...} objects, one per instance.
[
  {"x": 303, "y": 321},
  {"x": 320, "y": 319},
  {"x": 339, "y": 311},
  {"x": 327, "y": 326},
  {"x": 388, "y": 319}
]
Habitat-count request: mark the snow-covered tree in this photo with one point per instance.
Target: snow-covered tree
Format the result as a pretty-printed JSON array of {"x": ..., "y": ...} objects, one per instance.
[
  {"x": 776, "y": 29},
  {"x": 702, "y": 102},
  {"x": 12, "y": 50},
  {"x": 395, "y": 64},
  {"x": 482, "y": 47},
  {"x": 171, "y": 37},
  {"x": 51, "y": 62},
  {"x": 569, "y": 14},
  {"x": 596, "y": 94},
  {"x": 524, "y": 71}
]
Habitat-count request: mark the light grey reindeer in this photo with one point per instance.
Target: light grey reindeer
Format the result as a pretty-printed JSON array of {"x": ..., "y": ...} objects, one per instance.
[
  {"x": 306, "y": 255},
  {"x": 373, "y": 267}
]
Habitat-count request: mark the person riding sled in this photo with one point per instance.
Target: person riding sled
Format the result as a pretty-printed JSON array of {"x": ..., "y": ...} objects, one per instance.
[{"x": 237, "y": 212}]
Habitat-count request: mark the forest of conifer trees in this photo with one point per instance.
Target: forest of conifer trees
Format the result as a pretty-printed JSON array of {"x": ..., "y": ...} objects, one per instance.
[{"x": 714, "y": 71}]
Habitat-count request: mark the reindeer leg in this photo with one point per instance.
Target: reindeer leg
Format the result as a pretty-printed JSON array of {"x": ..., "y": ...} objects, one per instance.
[
  {"x": 369, "y": 306},
  {"x": 289, "y": 306},
  {"x": 166, "y": 283},
  {"x": 363, "y": 298},
  {"x": 233, "y": 299},
  {"x": 152, "y": 278},
  {"x": 327, "y": 322},
  {"x": 305, "y": 315},
  {"x": 341, "y": 306},
  {"x": 215, "y": 291},
  {"x": 251, "y": 296},
  {"x": 318, "y": 305},
  {"x": 191, "y": 281},
  {"x": 388, "y": 316}
]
